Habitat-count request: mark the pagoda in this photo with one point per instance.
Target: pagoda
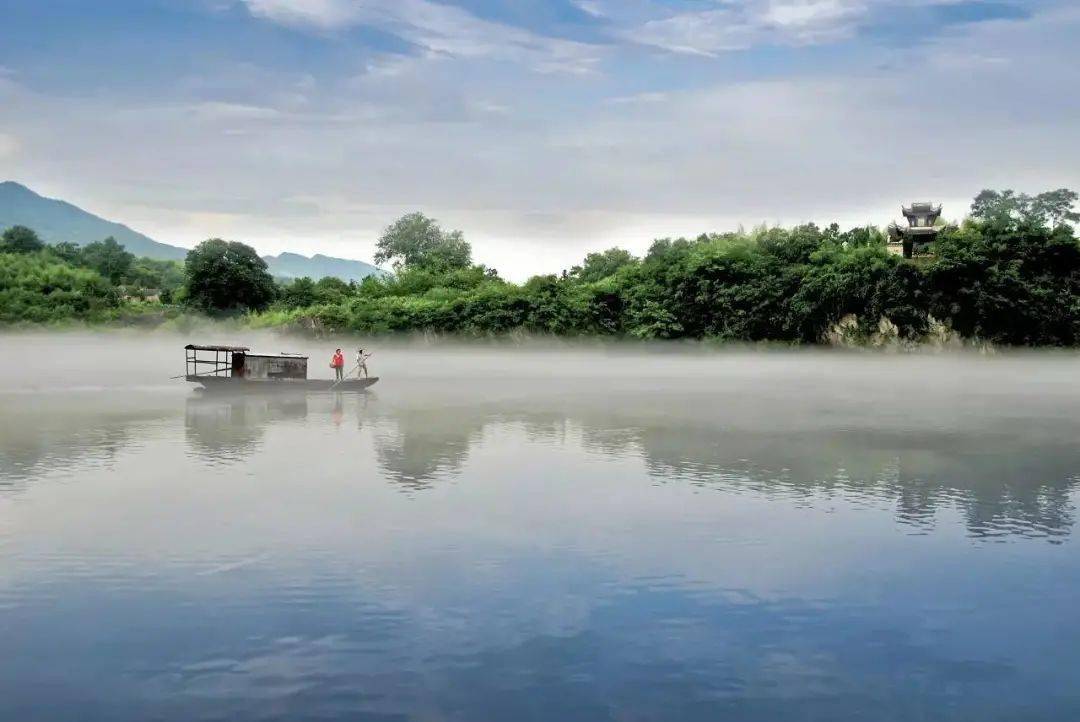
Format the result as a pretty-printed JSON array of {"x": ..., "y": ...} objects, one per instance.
[{"x": 920, "y": 231}]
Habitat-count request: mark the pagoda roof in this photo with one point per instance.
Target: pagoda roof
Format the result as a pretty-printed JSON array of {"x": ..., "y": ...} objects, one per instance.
[{"x": 921, "y": 209}]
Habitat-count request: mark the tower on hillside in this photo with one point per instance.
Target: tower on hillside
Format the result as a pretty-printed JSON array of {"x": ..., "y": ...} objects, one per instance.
[{"x": 920, "y": 231}]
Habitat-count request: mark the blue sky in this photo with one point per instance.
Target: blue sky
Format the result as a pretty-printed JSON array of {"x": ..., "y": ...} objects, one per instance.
[{"x": 541, "y": 128}]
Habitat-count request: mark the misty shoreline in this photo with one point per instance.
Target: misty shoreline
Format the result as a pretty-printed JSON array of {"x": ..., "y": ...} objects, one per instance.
[{"x": 514, "y": 348}]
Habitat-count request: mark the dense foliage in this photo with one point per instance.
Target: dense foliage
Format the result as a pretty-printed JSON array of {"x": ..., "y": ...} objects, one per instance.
[
  {"x": 1009, "y": 274},
  {"x": 223, "y": 275},
  {"x": 38, "y": 287},
  {"x": 46, "y": 284},
  {"x": 20, "y": 239}
]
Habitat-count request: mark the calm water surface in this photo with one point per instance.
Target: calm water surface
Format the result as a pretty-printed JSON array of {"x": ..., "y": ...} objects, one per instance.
[{"x": 522, "y": 535}]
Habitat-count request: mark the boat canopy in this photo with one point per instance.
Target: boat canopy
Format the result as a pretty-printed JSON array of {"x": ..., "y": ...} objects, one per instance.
[
  {"x": 197, "y": 347},
  {"x": 238, "y": 362},
  {"x": 280, "y": 354}
]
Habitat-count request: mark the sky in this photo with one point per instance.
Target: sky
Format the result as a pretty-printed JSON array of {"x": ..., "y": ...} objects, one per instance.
[{"x": 543, "y": 129}]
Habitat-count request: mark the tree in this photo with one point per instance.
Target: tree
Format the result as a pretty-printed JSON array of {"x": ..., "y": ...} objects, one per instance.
[
  {"x": 299, "y": 294},
  {"x": 68, "y": 251},
  {"x": 331, "y": 289},
  {"x": 148, "y": 273},
  {"x": 108, "y": 258},
  {"x": 863, "y": 236},
  {"x": 601, "y": 265},
  {"x": 1050, "y": 208},
  {"x": 992, "y": 205},
  {"x": 666, "y": 250},
  {"x": 20, "y": 239},
  {"x": 416, "y": 241},
  {"x": 223, "y": 275},
  {"x": 1055, "y": 207}
]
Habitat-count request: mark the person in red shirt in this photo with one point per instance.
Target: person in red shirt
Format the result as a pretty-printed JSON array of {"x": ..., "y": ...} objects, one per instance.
[{"x": 338, "y": 364}]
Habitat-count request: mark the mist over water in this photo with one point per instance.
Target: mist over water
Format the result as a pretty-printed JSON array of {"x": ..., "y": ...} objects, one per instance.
[{"x": 533, "y": 533}]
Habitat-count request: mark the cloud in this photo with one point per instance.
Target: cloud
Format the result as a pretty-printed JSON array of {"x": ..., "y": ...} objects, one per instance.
[
  {"x": 9, "y": 146},
  {"x": 813, "y": 20},
  {"x": 590, "y": 8},
  {"x": 646, "y": 97},
  {"x": 700, "y": 33},
  {"x": 741, "y": 24},
  {"x": 326, "y": 14},
  {"x": 435, "y": 30},
  {"x": 218, "y": 111},
  {"x": 736, "y": 26}
]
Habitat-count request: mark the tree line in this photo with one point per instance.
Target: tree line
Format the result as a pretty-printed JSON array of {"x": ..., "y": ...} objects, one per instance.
[
  {"x": 42, "y": 283},
  {"x": 1009, "y": 273}
]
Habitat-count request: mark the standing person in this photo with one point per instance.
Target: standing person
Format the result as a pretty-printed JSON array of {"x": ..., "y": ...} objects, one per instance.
[
  {"x": 361, "y": 362},
  {"x": 338, "y": 364}
]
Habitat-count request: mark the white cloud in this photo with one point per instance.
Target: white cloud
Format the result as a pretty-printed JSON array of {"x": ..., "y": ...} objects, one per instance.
[
  {"x": 699, "y": 33},
  {"x": 813, "y": 20},
  {"x": 726, "y": 26},
  {"x": 590, "y": 8},
  {"x": 9, "y": 145},
  {"x": 219, "y": 111},
  {"x": 436, "y": 28},
  {"x": 327, "y": 14},
  {"x": 647, "y": 97}
]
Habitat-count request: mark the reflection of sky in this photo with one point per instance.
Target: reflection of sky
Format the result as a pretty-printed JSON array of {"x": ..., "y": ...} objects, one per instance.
[
  {"x": 539, "y": 576},
  {"x": 555, "y": 535}
]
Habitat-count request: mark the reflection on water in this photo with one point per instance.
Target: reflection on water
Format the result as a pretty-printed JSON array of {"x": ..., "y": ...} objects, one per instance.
[
  {"x": 583, "y": 536},
  {"x": 1003, "y": 482},
  {"x": 227, "y": 430}
]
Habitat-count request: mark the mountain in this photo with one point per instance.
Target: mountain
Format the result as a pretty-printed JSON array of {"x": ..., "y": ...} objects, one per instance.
[
  {"x": 56, "y": 221},
  {"x": 293, "y": 265}
]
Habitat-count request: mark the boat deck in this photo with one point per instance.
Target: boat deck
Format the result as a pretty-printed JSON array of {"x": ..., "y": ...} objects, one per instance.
[{"x": 234, "y": 384}]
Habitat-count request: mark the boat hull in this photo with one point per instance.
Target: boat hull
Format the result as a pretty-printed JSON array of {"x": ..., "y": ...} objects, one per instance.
[{"x": 241, "y": 385}]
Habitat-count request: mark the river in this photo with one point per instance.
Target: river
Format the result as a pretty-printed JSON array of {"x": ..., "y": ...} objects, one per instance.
[{"x": 530, "y": 533}]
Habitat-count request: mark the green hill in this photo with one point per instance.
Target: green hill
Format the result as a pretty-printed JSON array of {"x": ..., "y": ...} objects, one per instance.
[{"x": 56, "y": 221}]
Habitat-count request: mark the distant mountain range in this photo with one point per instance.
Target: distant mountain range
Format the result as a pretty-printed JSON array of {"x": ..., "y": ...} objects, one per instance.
[
  {"x": 56, "y": 221},
  {"x": 293, "y": 265}
]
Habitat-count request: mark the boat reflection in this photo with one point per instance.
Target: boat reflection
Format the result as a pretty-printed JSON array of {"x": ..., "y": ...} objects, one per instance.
[{"x": 225, "y": 429}]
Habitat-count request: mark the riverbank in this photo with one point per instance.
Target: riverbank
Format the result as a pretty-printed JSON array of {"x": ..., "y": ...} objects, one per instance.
[{"x": 1004, "y": 280}]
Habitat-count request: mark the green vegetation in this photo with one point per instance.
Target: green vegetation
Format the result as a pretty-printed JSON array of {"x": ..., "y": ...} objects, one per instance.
[
  {"x": 98, "y": 283},
  {"x": 20, "y": 239},
  {"x": 227, "y": 276},
  {"x": 37, "y": 287},
  {"x": 1009, "y": 274},
  {"x": 416, "y": 241}
]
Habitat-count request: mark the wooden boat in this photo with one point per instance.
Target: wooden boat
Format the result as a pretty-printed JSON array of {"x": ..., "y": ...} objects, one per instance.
[{"x": 238, "y": 369}]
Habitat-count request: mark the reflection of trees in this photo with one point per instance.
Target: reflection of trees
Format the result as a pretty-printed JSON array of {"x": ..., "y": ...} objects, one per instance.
[
  {"x": 1004, "y": 477},
  {"x": 419, "y": 445},
  {"x": 56, "y": 435},
  {"x": 1001, "y": 482}
]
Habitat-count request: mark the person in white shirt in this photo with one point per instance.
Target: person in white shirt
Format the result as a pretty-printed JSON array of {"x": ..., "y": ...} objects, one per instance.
[{"x": 361, "y": 362}]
